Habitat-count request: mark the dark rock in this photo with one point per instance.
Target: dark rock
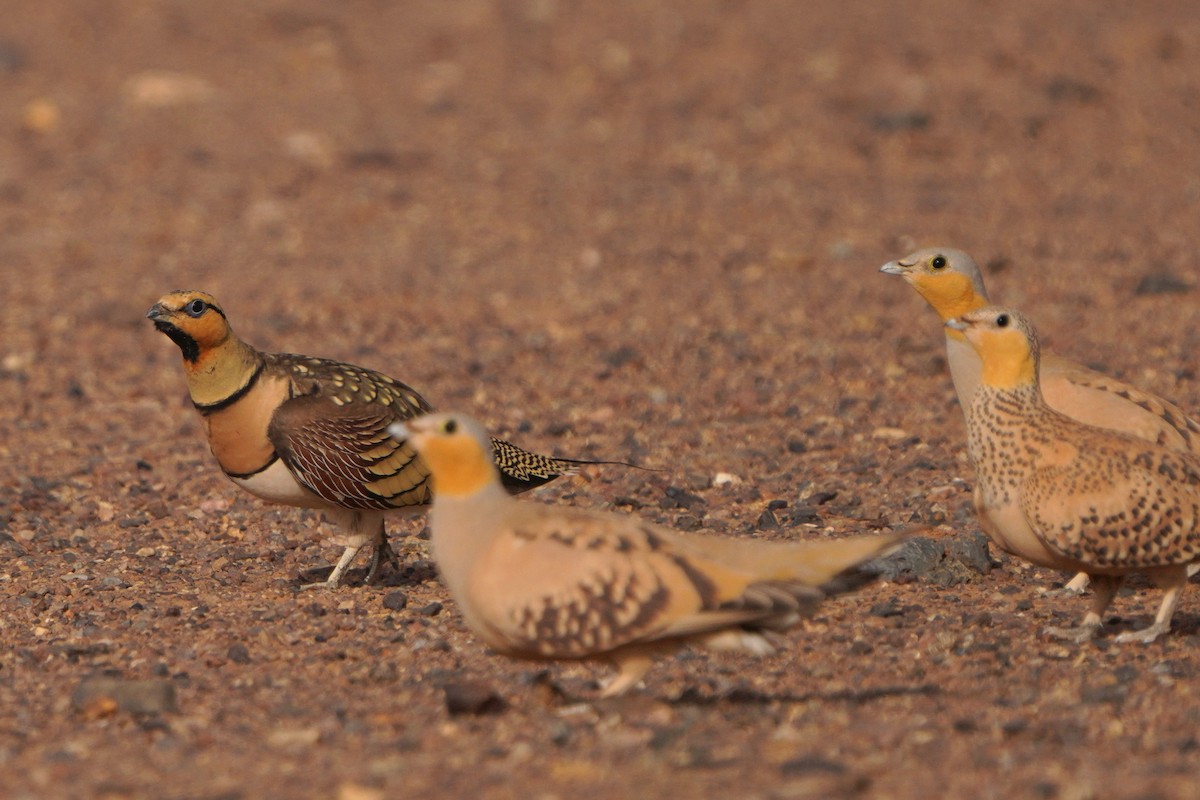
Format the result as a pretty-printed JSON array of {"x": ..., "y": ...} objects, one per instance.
[
  {"x": 915, "y": 559},
  {"x": 888, "y": 608},
  {"x": 807, "y": 765},
  {"x": 431, "y": 610},
  {"x": 239, "y": 654},
  {"x": 472, "y": 697},
  {"x": 395, "y": 601},
  {"x": 104, "y": 694},
  {"x": 971, "y": 551},
  {"x": 901, "y": 121},
  {"x": 1161, "y": 283},
  {"x": 1063, "y": 89},
  {"x": 804, "y": 515},
  {"x": 681, "y": 498},
  {"x": 1014, "y": 726},
  {"x": 957, "y": 561},
  {"x": 620, "y": 357},
  {"x": 767, "y": 521}
]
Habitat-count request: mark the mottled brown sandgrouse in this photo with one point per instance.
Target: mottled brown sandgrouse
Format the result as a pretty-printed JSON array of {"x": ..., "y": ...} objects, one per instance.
[
  {"x": 311, "y": 432},
  {"x": 1071, "y": 496}
]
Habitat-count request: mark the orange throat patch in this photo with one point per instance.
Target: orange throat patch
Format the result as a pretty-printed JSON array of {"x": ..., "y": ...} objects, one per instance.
[
  {"x": 459, "y": 465},
  {"x": 951, "y": 295},
  {"x": 1007, "y": 360}
]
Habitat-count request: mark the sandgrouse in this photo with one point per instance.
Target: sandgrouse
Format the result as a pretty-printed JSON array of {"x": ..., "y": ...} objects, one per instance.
[
  {"x": 951, "y": 283},
  {"x": 1071, "y": 496},
  {"x": 311, "y": 432},
  {"x": 544, "y": 582}
]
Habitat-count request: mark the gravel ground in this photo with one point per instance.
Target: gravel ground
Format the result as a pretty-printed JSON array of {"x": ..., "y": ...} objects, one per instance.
[{"x": 641, "y": 231}]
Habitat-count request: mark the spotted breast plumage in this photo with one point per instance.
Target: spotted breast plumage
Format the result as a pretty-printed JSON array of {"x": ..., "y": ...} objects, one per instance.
[
  {"x": 1072, "y": 496},
  {"x": 312, "y": 432},
  {"x": 951, "y": 282}
]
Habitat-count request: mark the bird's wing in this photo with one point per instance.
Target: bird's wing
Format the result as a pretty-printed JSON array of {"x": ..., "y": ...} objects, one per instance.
[
  {"x": 343, "y": 453},
  {"x": 1098, "y": 399},
  {"x": 1118, "y": 504},
  {"x": 561, "y": 582}
]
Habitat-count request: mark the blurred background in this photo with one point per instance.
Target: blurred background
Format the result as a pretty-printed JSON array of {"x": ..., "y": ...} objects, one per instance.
[{"x": 623, "y": 229}]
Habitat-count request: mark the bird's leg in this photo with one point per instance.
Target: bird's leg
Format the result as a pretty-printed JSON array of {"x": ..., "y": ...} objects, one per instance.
[
  {"x": 1077, "y": 585},
  {"x": 632, "y": 665},
  {"x": 381, "y": 552},
  {"x": 359, "y": 522},
  {"x": 1104, "y": 588},
  {"x": 1173, "y": 582},
  {"x": 335, "y": 578}
]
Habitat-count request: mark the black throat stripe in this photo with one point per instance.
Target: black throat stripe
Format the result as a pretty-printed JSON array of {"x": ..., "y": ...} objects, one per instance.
[
  {"x": 211, "y": 408},
  {"x": 241, "y": 476}
]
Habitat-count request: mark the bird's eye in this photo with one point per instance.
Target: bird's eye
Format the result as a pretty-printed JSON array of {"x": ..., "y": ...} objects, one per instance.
[
  {"x": 451, "y": 426},
  {"x": 938, "y": 262},
  {"x": 1002, "y": 321},
  {"x": 196, "y": 308}
]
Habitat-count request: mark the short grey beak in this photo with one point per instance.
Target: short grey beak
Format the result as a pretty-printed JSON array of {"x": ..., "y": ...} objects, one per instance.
[
  {"x": 956, "y": 324},
  {"x": 894, "y": 268},
  {"x": 399, "y": 431},
  {"x": 158, "y": 312}
]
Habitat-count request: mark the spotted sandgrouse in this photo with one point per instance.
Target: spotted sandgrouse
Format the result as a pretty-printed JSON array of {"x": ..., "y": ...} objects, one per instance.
[
  {"x": 951, "y": 283},
  {"x": 1071, "y": 496},
  {"x": 311, "y": 432},
  {"x": 538, "y": 581}
]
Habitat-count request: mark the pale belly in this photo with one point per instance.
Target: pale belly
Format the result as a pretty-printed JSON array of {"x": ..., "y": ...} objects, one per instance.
[
  {"x": 1007, "y": 527},
  {"x": 275, "y": 484}
]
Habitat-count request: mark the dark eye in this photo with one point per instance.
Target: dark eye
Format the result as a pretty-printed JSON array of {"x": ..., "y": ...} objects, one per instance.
[
  {"x": 451, "y": 426},
  {"x": 196, "y": 308},
  {"x": 1002, "y": 321},
  {"x": 938, "y": 262}
]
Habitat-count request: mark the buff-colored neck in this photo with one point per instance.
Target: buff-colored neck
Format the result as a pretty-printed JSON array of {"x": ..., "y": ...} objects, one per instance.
[
  {"x": 1008, "y": 360},
  {"x": 951, "y": 296},
  {"x": 221, "y": 371}
]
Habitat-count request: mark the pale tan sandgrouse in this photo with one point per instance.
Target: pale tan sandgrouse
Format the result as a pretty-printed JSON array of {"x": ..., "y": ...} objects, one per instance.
[
  {"x": 550, "y": 582},
  {"x": 1071, "y": 496},
  {"x": 951, "y": 282}
]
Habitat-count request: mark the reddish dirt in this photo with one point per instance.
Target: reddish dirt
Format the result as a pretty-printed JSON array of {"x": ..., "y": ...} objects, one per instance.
[{"x": 619, "y": 230}]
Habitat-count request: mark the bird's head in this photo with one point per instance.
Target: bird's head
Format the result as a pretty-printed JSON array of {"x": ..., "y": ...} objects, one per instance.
[
  {"x": 1006, "y": 342},
  {"x": 456, "y": 448},
  {"x": 192, "y": 320},
  {"x": 948, "y": 279}
]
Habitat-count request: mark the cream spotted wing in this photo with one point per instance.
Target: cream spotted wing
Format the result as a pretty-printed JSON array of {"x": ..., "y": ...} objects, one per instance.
[{"x": 344, "y": 454}]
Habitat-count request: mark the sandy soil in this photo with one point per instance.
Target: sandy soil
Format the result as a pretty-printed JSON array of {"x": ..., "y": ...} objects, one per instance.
[{"x": 643, "y": 231}]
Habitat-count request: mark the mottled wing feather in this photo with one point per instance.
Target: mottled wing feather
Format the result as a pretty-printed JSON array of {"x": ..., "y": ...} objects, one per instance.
[
  {"x": 1116, "y": 507},
  {"x": 1164, "y": 413},
  {"x": 344, "y": 384},
  {"x": 590, "y": 582},
  {"x": 343, "y": 453}
]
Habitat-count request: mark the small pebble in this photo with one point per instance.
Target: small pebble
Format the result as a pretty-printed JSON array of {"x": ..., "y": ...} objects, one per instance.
[
  {"x": 472, "y": 697},
  {"x": 395, "y": 601}
]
